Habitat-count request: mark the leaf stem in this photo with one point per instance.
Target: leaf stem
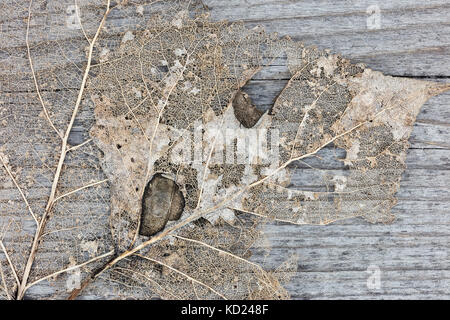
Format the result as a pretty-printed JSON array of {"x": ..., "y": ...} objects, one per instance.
[
  {"x": 40, "y": 229},
  {"x": 19, "y": 189},
  {"x": 79, "y": 189},
  {"x": 34, "y": 73},
  {"x": 10, "y": 262},
  {"x": 71, "y": 268}
]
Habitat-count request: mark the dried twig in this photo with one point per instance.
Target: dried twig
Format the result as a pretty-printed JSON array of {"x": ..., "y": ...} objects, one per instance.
[
  {"x": 11, "y": 265},
  {"x": 40, "y": 229},
  {"x": 54, "y": 274},
  {"x": 19, "y": 189}
]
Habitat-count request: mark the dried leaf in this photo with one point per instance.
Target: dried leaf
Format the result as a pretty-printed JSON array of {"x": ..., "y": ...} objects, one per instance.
[{"x": 194, "y": 169}]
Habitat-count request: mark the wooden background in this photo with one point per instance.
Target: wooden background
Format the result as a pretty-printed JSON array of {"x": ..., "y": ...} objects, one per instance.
[{"x": 412, "y": 254}]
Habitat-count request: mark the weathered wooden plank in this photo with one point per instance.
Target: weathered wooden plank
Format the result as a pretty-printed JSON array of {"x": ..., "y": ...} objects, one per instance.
[{"x": 413, "y": 39}]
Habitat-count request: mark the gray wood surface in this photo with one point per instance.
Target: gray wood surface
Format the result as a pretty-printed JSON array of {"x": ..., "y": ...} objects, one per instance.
[{"x": 412, "y": 253}]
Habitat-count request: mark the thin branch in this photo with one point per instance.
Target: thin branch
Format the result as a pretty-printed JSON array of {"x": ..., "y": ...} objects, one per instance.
[
  {"x": 5, "y": 287},
  {"x": 34, "y": 74},
  {"x": 71, "y": 268},
  {"x": 77, "y": 12},
  {"x": 51, "y": 200},
  {"x": 59, "y": 230},
  {"x": 79, "y": 189},
  {"x": 19, "y": 189},
  {"x": 10, "y": 263},
  {"x": 78, "y": 145}
]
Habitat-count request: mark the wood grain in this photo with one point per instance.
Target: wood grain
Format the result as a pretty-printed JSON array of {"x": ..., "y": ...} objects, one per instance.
[{"x": 412, "y": 253}]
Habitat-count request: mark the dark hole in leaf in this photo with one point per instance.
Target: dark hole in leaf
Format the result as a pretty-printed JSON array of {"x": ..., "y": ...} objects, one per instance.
[
  {"x": 162, "y": 201},
  {"x": 201, "y": 222},
  {"x": 244, "y": 110},
  {"x": 158, "y": 268},
  {"x": 118, "y": 146},
  {"x": 164, "y": 69}
]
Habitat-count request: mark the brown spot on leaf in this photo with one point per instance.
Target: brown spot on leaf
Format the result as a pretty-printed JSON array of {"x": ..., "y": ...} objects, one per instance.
[
  {"x": 162, "y": 201},
  {"x": 244, "y": 110}
]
